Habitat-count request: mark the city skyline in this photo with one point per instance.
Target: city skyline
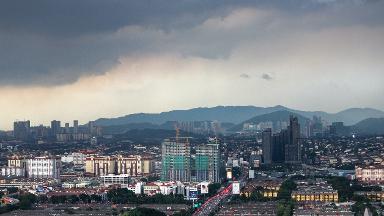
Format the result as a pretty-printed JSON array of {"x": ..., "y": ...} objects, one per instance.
[
  {"x": 93, "y": 60},
  {"x": 7, "y": 126}
]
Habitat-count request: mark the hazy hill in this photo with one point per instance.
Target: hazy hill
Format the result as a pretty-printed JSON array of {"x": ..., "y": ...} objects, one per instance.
[
  {"x": 282, "y": 115},
  {"x": 370, "y": 126},
  {"x": 237, "y": 114}
]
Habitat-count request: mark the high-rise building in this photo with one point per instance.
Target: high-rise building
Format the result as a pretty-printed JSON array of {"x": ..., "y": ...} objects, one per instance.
[
  {"x": 21, "y": 130},
  {"x": 55, "y": 127},
  {"x": 292, "y": 147},
  {"x": 176, "y": 160},
  {"x": 207, "y": 162},
  {"x": 339, "y": 129},
  {"x": 75, "y": 126},
  {"x": 279, "y": 141},
  {"x": 267, "y": 146},
  {"x": 66, "y": 129},
  {"x": 283, "y": 146}
]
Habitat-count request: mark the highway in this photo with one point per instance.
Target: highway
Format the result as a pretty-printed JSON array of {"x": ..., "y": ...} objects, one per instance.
[{"x": 213, "y": 202}]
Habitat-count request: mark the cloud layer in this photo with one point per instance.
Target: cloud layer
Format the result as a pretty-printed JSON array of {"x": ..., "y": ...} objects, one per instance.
[{"x": 311, "y": 54}]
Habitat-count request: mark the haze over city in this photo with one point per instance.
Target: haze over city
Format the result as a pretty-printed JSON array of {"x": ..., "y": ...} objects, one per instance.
[{"x": 90, "y": 59}]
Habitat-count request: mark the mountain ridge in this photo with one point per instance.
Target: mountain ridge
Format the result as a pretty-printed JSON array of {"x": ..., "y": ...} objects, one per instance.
[{"x": 237, "y": 114}]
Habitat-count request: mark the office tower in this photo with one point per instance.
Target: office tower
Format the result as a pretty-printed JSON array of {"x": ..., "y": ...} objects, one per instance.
[
  {"x": 176, "y": 156},
  {"x": 207, "y": 162},
  {"x": 279, "y": 141},
  {"x": 66, "y": 130},
  {"x": 55, "y": 127},
  {"x": 43, "y": 167},
  {"x": 292, "y": 147},
  {"x": 21, "y": 130},
  {"x": 75, "y": 126},
  {"x": 267, "y": 146}
]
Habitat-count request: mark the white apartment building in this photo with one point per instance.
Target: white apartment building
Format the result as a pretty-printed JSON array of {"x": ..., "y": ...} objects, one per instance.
[{"x": 43, "y": 167}]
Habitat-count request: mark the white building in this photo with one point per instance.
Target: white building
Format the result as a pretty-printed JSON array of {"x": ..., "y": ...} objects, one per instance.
[
  {"x": 111, "y": 179},
  {"x": 370, "y": 174},
  {"x": 77, "y": 158},
  {"x": 43, "y": 167},
  {"x": 12, "y": 171}
]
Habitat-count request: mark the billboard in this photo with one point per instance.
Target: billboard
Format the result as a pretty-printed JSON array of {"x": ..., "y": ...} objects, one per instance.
[
  {"x": 229, "y": 173},
  {"x": 236, "y": 187},
  {"x": 192, "y": 193},
  {"x": 204, "y": 188},
  {"x": 251, "y": 174}
]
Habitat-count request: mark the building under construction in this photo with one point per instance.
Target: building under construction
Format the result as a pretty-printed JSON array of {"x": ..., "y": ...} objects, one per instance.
[
  {"x": 207, "y": 162},
  {"x": 176, "y": 159}
]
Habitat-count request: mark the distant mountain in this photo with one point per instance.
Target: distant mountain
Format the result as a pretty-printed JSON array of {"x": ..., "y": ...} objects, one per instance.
[
  {"x": 369, "y": 126},
  {"x": 355, "y": 115},
  {"x": 232, "y": 114},
  {"x": 237, "y": 114},
  {"x": 274, "y": 117}
]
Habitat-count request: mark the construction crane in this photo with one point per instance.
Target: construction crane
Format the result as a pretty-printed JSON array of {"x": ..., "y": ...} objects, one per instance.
[{"x": 177, "y": 129}]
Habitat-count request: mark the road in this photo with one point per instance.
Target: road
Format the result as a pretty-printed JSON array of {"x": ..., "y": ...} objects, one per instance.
[{"x": 212, "y": 203}]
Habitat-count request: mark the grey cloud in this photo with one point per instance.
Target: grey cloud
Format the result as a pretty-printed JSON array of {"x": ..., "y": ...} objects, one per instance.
[
  {"x": 245, "y": 76},
  {"x": 266, "y": 77},
  {"x": 46, "y": 42}
]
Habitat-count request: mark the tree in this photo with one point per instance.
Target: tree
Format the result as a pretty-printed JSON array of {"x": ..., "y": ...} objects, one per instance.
[
  {"x": 12, "y": 190},
  {"x": 286, "y": 189},
  {"x": 58, "y": 199},
  {"x": 144, "y": 212},
  {"x": 85, "y": 198},
  {"x": 343, "y": 186},
  {"x": 236, "y": 172},
  {"x": 26, "y": 201},
  {"x": 73, "y": 199},
  {"x": 213, "y": 188},
  {"x": 96, "y": 198},
  {"x": 121, "y": 196},
  {"x": 42, "y": 199}
]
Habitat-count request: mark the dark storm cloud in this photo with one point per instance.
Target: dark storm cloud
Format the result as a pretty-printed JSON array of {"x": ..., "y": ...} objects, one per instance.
[{"x": 45, "y": 42}]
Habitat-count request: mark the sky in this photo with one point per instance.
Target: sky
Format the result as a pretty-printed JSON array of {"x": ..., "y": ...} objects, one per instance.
[{"x": 89, "y": 59}]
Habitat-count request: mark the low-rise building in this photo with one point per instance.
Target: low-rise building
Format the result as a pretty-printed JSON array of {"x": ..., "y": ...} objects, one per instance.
[
  {"x": 122, "y": 180},
  {"x": 315, "y": 192},
  {"x": 370, "y": 174},
  {"x": 100, "y": 165},
  {"x": 12, "y": 171}
]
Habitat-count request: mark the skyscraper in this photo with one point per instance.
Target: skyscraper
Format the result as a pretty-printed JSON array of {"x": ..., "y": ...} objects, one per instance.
[
  {"x": 176, "y": 160},
  {"x": 292, "y": 147},
  {"x": 66, "y": 128},
  {"x": 75, "y": 126},
  {"x": 55, "y": 127},
  {"x": 279, "y": 141},
  {"x": 267, "y": 146},
  {"x": 21, "y": 130},
  {"x": 207, "y": 162}
]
